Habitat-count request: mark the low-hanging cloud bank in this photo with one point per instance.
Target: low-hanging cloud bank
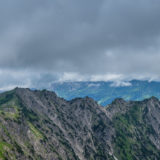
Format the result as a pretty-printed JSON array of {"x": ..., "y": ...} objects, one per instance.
[
  {"x": 101, "y": 40},
  {"x": 43, "y": 80}
]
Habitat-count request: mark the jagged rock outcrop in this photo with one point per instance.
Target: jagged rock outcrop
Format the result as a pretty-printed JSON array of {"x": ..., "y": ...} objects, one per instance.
[{"x": 40, "y": 125}]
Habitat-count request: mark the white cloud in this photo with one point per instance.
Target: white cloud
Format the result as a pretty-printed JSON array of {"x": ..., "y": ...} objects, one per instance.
[
  {"x": 93, "y": 85},
  {"x": 40, "y": 80},
  {"x": 106, "y": 77},
  {"x": 71, "y": 76},
  {"x": 120, "y": 84}
]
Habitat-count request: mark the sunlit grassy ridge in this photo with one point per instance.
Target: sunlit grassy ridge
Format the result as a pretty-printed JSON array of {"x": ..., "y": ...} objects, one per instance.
[{"x": 35, "y": 131}]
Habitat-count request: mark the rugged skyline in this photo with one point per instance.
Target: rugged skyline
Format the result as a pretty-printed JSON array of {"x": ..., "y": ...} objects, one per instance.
[
  {"x": 41, "y": 125},
  {"x": 46, "y": 41}
]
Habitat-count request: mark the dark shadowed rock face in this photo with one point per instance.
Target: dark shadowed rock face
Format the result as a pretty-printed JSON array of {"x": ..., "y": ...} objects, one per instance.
[{"x": 40, "y": 125}]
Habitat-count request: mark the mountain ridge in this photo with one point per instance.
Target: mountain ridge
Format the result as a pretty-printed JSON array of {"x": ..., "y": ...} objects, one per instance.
[
  {"x": 40, "y": 125},
  {"x": 105, "y": 92}
]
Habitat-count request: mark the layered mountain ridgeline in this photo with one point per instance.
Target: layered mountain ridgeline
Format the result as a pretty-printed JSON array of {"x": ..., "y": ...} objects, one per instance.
[
  {"x": 105, "y": 92},
  {"x": 39, "y": 125}
]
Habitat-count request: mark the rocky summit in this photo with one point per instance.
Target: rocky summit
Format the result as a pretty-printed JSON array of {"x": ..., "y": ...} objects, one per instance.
[{"x": 38, "y": 125}]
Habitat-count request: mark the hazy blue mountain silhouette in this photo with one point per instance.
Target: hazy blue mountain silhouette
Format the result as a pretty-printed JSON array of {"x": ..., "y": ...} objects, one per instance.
[{"x": 105, "y": 92}]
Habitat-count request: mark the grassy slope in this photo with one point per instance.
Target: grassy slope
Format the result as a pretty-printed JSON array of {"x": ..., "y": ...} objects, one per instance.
[{"x": 132, "y": 141}]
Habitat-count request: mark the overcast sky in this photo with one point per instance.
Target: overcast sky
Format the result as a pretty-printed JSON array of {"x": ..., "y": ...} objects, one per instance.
[{"x": 42, "y": 41}]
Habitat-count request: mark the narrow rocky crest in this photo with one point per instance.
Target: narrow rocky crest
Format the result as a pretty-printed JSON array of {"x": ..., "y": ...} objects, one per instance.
[{"x": 40, "y": 125}]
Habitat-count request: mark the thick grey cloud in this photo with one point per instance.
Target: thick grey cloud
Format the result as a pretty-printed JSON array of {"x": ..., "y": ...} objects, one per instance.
[{"x": 93, "y": 38}]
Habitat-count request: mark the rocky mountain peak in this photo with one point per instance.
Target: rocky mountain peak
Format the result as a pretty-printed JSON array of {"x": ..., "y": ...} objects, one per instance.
[{"x": 40, "y": 125}]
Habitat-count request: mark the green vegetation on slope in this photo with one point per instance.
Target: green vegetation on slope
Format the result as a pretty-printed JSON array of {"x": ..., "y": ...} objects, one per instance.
[
  {"x": 37, "y": 125},
  {"x": 35, "y": 131},
  {"x": 132, "y": 137},
  {"x": 9, "y": 106},
  {"x": 4, "y": 147}
]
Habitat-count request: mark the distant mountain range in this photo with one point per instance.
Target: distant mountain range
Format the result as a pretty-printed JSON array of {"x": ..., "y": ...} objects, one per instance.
[
  {"x": 105, "y": 92},
  {"x": 38, "y": 125}
]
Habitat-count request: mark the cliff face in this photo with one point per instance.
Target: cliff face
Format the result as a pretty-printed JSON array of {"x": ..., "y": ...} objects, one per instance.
[
  {"x": 40, "y": 125},
  {"x": 137, "y": 132}
]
